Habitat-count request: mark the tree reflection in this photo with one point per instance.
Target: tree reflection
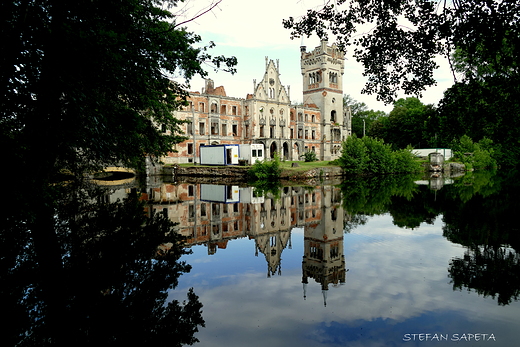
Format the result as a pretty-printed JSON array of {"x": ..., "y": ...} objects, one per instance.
[
  {"x": 101, "y": 278},
  {"x": 481, "y": 217},
  {"x": 478, "y": 211},
  {"x": 490, "y": 271}
]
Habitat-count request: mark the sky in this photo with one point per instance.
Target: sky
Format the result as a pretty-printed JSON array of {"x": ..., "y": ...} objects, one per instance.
[
  {"x": 397, "y": 283},
  {"x": 253, "y": 30}
]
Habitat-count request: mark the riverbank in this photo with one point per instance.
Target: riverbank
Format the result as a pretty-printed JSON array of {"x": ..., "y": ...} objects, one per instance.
[{"x": 291, "y": 171}]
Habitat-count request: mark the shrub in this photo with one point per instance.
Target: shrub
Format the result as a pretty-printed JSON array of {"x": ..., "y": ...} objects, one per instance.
[
  {"x": 370, "y": 155},
  {"x": 309, "y": 156},
  {"x": 266, "y": 169},
  {"x": 478, "y": 155}
]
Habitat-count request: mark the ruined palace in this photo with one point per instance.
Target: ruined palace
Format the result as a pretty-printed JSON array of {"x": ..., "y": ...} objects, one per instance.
[{"x": 268, "y": 117}]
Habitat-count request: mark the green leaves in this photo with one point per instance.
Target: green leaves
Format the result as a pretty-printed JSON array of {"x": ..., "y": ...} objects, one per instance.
[
  {"x": 372, "y": 156},
  {"x": 397, "y": 41},
  {"x": 87, "y": 82}
]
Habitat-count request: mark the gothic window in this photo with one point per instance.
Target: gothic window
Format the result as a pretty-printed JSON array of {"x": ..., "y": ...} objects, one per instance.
[{"x": 214, "y": 108}]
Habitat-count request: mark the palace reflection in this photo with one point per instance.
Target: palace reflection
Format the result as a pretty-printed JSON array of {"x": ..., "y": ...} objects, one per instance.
[{"x": 213, "y": 215}]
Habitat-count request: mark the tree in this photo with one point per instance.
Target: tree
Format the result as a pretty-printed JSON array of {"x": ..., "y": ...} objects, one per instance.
[
  {"x": 362, "y": 117},
  {"x": 85, "y": 83},
  {"x": 483, "y": 109},
  {"x": 399, "y": 40},
  {"x": 407, "y": 124}
]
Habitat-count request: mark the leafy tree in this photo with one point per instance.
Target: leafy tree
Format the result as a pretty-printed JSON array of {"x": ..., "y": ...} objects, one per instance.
[
  {"x": 86, "y": 83},
  {"x": 373, "y": 156},
  {"x": 399, "y": 50},
  {"x": 407, "y": 124},
  {"x": 475, "y": 155},
  {"x": 362, "y": 117},
  {"x": 483, "y": 109}
]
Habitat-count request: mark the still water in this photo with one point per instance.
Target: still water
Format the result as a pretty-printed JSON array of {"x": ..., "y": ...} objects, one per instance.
[
  {"x": 309, "y": 269},
  {"x": 384, "y": 261}
]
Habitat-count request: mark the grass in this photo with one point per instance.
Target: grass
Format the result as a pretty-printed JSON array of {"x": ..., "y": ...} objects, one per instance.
[{"x": 303, "y": 166}]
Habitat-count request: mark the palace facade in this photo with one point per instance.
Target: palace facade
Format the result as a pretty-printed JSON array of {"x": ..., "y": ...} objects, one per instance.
[{"x": 267, "y": 116}]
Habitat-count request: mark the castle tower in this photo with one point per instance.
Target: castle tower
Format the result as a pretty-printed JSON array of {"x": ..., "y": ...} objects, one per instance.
[
  {"x": 323, "y": 257},
  {"x": 322, "y": 71}
]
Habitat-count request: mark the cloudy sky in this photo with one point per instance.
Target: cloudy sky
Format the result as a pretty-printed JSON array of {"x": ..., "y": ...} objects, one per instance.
[
  {"x": 397, "y": 284},
  {"x": 252, "y": 30}
]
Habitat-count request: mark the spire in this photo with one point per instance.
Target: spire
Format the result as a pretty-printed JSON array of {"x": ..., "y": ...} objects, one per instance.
[
  {"x": 324, "y": 292},
  {"x": 305, "y": 291},
  {"x": 303, "y": 48}
]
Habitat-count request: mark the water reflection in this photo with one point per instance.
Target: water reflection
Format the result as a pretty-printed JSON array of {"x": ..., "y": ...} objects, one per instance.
[
  {"x": 213, "y": 215},
  {"x": 97, "y": 274},
  {"x": 269, "y": 268}
]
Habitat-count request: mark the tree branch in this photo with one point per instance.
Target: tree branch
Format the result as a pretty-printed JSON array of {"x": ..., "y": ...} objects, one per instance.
[{"x": 212, "y": 6}]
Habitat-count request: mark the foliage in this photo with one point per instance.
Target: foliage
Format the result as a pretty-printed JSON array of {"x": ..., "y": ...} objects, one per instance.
[
  {"x": 265, "y": 170},
  {"x": 476, "y": 212},
  {"x": 407, "y": 124},
  {"x": 475, "y": 155},
  {"x": 309, "y": 156},
  {"x": 397, "y": 56},
  {"x": 370, "y": 155},
  {"x": 373, "y": 195},
  {"x": 483, "y": 109},
  {"x": 85, "y": 83},
  {"x": 103, "y": 276},
  {"x": 362, "y": 117}
]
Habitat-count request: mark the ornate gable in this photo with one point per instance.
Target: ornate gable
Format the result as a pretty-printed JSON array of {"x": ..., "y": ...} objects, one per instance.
[{"x": 271, "y": 88}]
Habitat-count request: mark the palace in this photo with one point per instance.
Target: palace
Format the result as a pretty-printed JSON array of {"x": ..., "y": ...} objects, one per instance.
[{"x": 268, "y": 117}]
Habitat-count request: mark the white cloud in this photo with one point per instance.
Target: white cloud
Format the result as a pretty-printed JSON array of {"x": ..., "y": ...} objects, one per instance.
[{"x": 251, "y": 30}]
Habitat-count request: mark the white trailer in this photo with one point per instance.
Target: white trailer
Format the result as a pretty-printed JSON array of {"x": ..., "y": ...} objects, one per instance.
[
  {"x": 229, "y": 194},
  {"x": 219, "y": 154},
  {"x": 252, "y": 152},
  {"x": 219, "y": 193}
]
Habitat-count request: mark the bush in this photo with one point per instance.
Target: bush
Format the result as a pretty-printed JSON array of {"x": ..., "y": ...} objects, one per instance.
[
  {"x": 477, "y": 155},
  {"x": 370, "y": 155},
  {"x": 309, "y": 156},
  {"x": 265, "y": 170}
]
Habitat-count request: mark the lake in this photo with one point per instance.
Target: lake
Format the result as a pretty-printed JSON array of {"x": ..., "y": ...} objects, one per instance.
[
  {"x": 381, "y": 261},
  {"x": 309, "y": 269}
]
